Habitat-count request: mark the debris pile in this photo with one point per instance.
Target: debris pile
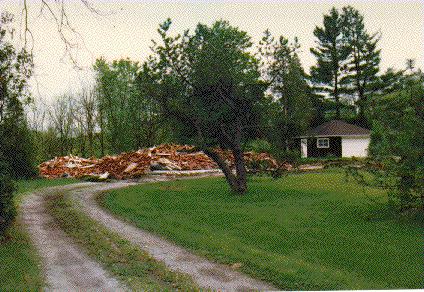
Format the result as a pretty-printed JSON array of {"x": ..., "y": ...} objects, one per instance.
[{"x": 166, "y": 157}]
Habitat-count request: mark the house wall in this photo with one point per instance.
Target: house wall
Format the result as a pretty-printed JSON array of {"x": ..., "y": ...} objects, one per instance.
[{"x": 357, "y": 147}]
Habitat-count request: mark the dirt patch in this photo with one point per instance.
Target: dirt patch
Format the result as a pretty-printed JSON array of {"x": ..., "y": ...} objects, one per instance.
[
  {"x": 65, "y": 265},
  {"x": 205, "y": 273}
]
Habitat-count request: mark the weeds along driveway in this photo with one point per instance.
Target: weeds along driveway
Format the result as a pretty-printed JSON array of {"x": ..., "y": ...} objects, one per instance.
[
  {"x": 205, "y": 273},
  {"x": 65, "y": 265}
]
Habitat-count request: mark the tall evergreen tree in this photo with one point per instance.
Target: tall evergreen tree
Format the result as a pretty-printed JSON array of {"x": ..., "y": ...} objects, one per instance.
[
  {"x": 331, "y": 54},
  {"x": 390, "y": 81},
  {"x": 364, "y": 59}
]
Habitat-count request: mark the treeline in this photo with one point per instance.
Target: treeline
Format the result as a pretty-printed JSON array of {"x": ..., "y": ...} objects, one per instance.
[
  {"x": 16, "y": 147},
  {"x": 111, "y": 115},
  {"x": 214, "y": 87},
  {"x": 119, "y": 111}
]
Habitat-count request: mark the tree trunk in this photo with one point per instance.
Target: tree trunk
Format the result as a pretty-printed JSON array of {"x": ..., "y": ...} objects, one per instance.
[
  {"x": 241, "y": 178},
  {"x": 336, "y": 95},
  {"x": 237, "y": 182}
]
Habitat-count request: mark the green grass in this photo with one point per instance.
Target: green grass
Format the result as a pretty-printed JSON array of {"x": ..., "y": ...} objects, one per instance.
[
  {"x": 310, "y": 231},
  {"x": 24, "y": 186},
  {"x": 19, "y": 262},
  {"x": 132, "y": 266}
]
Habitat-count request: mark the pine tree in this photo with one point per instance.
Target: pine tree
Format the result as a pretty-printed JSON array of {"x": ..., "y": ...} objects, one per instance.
[
  {"x": 364, "y": 59},
  {"x": 331, "y": 54}
]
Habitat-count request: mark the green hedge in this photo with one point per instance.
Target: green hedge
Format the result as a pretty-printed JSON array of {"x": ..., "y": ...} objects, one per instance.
[{"x": 7, "y": 206}]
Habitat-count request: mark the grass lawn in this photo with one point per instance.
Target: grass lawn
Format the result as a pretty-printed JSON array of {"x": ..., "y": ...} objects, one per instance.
[
  {"x": 19, "y": 263},
  {"x": 310, "y": 231}
]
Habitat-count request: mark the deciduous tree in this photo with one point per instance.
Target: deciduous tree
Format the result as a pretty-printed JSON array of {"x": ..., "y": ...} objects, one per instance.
[
  {"x": 15, "y": 70},
  {"x": 287, "y": 84},
  {"x": 397, "y": 142},
  {"x": 210, "y": 87}
]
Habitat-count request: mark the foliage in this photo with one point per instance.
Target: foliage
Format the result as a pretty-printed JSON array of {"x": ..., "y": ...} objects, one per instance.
[
  {"x": 332, "y": 54},
  {"x": 347, "y": 62},
  {"x": 258, "y": 146},
  {"x": 290, "y": 109},
  {"x": 128, "y": 116},
  {"x": 363, "y": 61},
  {"x": 312, "y": 231},
  {"x": 15, "y": 70},
  {"x": 18, "y": 149},
  {"x": 208, "y": 84},
  {"x": 7, "y": 205},
  {"x": 397, "y": 142},
  {"x": 47, "y": 144},
  {"x": 390, "y": 81}
]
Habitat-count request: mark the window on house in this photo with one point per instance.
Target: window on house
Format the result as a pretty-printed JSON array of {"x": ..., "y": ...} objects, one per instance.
[{"x": 323, "y": 143}]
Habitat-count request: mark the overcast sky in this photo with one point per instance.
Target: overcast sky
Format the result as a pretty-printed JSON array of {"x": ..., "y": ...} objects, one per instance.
[{"x": 127, "y": 27}]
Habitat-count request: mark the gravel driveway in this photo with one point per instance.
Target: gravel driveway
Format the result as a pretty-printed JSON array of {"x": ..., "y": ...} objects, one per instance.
[{"x": 67, "y": 267}]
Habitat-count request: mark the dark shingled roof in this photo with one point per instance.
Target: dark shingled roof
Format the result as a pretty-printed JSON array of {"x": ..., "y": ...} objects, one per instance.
[{"x": 337, "y": 128}]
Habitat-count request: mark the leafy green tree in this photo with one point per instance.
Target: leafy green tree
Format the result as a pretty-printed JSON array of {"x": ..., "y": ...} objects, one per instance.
[
  {"x": 128, "y": 115},
  {"x": 15, "y": 70},
  {"x": 393, "y": 80},
  {"x": 209, "y": 87},
  {"x": 363, "y": 60},
  {"x": 153, "y": 127},
  {"x": 17, "y": 144},
  {"x": 332, "y": 56},
  {"x": 116, "y": 82},
  {"x": 287, "y": 84},
  {"x": 397, "y": 142}
]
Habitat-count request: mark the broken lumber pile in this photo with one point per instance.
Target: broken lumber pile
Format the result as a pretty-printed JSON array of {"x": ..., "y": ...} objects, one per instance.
[{"x": 167, "y": 157}]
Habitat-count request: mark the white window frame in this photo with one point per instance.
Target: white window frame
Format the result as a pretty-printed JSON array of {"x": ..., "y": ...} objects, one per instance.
[{"x": 323, "y": 139}]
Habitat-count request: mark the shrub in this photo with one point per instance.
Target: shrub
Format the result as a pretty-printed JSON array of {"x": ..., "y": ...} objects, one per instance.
[
  {"x": 7, "y": 206},
  {"x": 18, "y": 149},
  {"x": 397, "y": 143},
  {"x": 258, "y": 146}
]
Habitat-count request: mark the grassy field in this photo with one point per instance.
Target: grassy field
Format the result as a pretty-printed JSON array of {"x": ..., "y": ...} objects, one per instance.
[
  {"x": 19, "y": 263},
  {"x": 311, "y": 231}
]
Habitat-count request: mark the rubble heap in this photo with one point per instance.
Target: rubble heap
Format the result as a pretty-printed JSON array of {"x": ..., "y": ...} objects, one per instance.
[{"x": 167, "y": 157}]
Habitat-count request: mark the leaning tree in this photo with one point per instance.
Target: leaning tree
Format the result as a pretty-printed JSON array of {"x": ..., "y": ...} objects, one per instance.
[{"x": 208, "y": 85}]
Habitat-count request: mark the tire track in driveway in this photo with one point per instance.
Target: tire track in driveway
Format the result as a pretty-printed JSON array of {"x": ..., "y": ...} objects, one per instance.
[
  {"x": 205, "y": 273},
  {"x": 65, "y": 265}
]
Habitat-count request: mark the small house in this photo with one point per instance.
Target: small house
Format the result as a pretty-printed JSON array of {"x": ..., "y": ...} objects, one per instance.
[{"x": 335, "y": 139}]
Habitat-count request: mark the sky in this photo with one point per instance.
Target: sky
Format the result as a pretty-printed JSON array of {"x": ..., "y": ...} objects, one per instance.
[{"x": 124, "y": 29}]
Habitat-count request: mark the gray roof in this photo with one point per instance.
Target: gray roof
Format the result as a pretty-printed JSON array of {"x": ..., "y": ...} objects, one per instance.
[{"x": 337, "y": 128}]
